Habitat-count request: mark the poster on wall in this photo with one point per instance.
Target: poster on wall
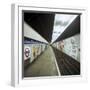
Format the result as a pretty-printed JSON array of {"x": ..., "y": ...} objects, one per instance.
[
  {"x": 61, "y": 57},
  {"x": 49, "y": 45}
]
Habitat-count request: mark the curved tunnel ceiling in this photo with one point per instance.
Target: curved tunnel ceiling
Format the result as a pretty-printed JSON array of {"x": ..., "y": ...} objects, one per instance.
[
  {"x": 72, "y": 29},
  {"x": 44, "y": 24},
  {"x": 29, "y": 32},
  {"x": 41, "y": 23},
  {"x": 61, "y": 22}
]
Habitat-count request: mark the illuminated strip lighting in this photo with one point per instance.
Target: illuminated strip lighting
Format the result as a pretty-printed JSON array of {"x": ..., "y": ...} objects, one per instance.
[
  {"x": 29, "y": 32},
  {"x": 62, "y": 30}
]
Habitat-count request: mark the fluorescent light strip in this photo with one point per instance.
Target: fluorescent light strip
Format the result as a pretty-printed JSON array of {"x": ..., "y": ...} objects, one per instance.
[
  {"x": 59, "y": 28},
  {"x": 31, "y": 33}
]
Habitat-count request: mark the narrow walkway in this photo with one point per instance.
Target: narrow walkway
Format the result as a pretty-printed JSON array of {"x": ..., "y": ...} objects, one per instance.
[
  {"x": 66, "y": 64},
  {"x": 44, "y": 65}
]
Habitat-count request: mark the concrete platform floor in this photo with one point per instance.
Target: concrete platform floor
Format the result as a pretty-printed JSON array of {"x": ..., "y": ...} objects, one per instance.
[
  {"x": 52, "y": 62},
  {"x": 44, "y": 65}
]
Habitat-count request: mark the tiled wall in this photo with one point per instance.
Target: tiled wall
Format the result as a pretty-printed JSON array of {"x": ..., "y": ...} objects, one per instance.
[{"x": 70, "y": 46}]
